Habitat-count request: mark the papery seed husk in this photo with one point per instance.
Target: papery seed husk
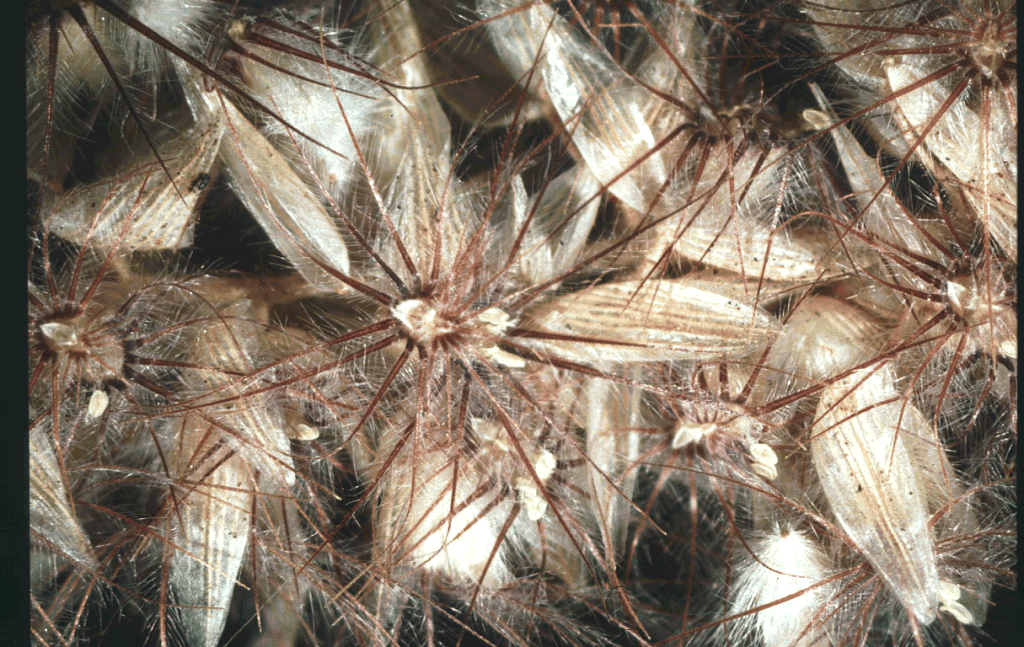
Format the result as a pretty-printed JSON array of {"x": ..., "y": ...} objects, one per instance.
[
  {"x": 50, "y": 515},
  {"x": 469, "y": 83},
  {"x": 718, "y": 218},
  {"x": 287, "y": 210},
  {"x": 678, "y": 26},
  {"x": 208, "y": 521},
  {"x": 314, "y": 99},
  {"x": 429, "y": 204},
  {"x": 632, "y": 321},
  {"x": 282, "y": 584},
  {"x": 599, "y": 106},
  {"x": 880, "y": 213},
  {"x": 78, "y": 74},
  {"x": 944, "y": 491},
  {"x": 613, "y": 445},
  {"x": 432, "y": 516},
  {"x": 750, "y": 289},
  {"x": 821, "y": 338},
  {"x": 228, "y": 347},
  {"x": 981, "y": 169},
  {"x": 142, "y": 206},
  {"x": 562, "y": 219},
  {"x": 872, "y": 485}
]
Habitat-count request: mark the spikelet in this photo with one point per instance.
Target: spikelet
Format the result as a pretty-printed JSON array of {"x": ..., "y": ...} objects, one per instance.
[
  {"x": 51, "y": 518},
  {"x": 872, "y": 486},
  {"x": 304, "y": 78},
  {"x": 439, "y": 515},
  {"x": 636, "y": 322},
  {"x": 150, "y": 202},
  {"x": 284, "y": 206},
  {"x": 237, "y": 407},
  {"x": 209, "y": 513}
]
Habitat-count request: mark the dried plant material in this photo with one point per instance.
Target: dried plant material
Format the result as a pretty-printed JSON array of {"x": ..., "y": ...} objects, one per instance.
[
  {"x": 638, "y": 321},
  {"x": 56, "y": 80},
  {"x": 879, "y": 212},
  {"x": 765, "y": 461},
  {"x": 314, "y": 397},
  {"x": 783, "y": 564},
  {"x": 983, "y": 171},
  {"x": 302, "y": 431},
  {"x": 78, "y": 66},
  {"x": 208, "y": 518},
  {"x": 50, "y": 515},
  {"x": 872, "y": 485},
  {"x": 557, "y": 222},
  {"x": 82, "y": 341},
  {"x": 428, "y": 211},
  {"x": 530, "y": 482},
  {"x": 940, "y": 86},
  {"x": 949, "y": 596},
  {"x": 588, "y": 94},
  {"x": 821, "y": 338},
  {"x": 712, "y": 209},
  {"x": 980, "y": 323},
  {"x": 469, "y": 85},
  {"x": 700, "y": 421},
  {"x": 613, "y": 445},
  {"x": 530, "y": 494},
  {"x": 232, "y": 400},
  {"x": 98, "y": 403},
  {"x": 184, "y": 23},
  {"x": 599, "y": 358},
  {"x": 150, "y": 202},
  {"x": 284, "y": 586},
  {"x": 718, "y": 209},
  {"x": 91, "y": 333},
  {"x": 953, "y": 513},
  {"x": 304, "y": 78},
  {"x": 285, "y": 207},
  {"x": 767, "y": 294},
  {"x": 439, "y": 515}
]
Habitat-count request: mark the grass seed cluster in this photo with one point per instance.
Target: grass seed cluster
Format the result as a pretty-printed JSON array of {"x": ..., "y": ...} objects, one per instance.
[{"x": 498, "y": 322}]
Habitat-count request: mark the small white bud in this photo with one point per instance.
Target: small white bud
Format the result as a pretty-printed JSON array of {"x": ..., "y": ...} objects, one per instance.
[
  {"x": 764, "y": 454},
  {"x": 958, "y": 611},
  {"x": 98, "y": 402},
  {"x": 302, "y": 431},
  {"x": 531, "y": 498},
  {"x": 544, "y": 464},
  {"x": 59, "y": 336},
  {"x": 687, "y": 433},
  {"x": 496, "y": 321}
]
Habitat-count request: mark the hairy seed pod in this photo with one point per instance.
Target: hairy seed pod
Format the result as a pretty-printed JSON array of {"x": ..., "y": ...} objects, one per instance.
[
  {"x": 51, "y": 518},
  {"x": 636, "y": 322},
  {"x": 285, "y": 207},
  {"x": 150, "y": 202},
  {"x": 208, "y": 517},
  {"x": 229, "y": 346},
  {"x": 872, "y": 485},
  {"x": 782, "y": 564}
]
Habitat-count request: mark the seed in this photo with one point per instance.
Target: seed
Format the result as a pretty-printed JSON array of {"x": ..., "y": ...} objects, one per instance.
[{"x": 872, "y": 487}]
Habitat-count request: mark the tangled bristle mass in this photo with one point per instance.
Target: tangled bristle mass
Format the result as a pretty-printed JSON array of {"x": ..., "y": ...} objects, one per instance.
[{"x": 510, "y": 322}]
